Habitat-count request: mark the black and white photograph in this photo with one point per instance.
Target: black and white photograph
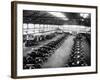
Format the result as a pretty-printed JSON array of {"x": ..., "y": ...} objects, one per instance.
[
  {"x": 53, "y": 39},
  {"x": 56, "y": 39}
]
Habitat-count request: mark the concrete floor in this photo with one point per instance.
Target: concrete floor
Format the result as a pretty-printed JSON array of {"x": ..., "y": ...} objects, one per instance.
[{"x": 61, "y": 55}]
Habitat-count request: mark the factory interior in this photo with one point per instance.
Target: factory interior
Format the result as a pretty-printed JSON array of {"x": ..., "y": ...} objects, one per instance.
[{"x": 54, "y": 39}]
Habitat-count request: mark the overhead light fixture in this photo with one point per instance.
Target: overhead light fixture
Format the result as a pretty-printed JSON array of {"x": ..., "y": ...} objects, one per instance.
[
  {"x": 59, "y": 15},
  {"x": 65, "y": 18},
  {"x": 84, "y": 15}
]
